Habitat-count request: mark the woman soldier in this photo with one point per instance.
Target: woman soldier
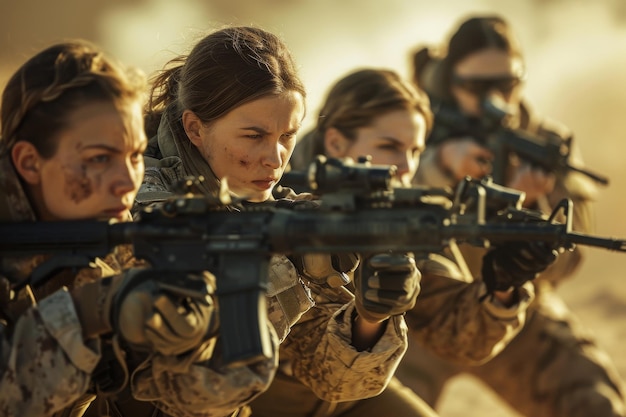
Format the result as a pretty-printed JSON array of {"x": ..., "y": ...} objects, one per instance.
[
  {"x": 479, "y": 81},
  {"x": 232, "y": 109},
  {"x": 72, "y": 148}
]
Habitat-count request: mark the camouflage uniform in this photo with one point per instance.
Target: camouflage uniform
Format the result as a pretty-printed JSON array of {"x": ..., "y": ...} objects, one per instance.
[
  {"x": 316, "y": 342},
  {"x": 566, "y": 374},
  {"x": 449, "y": 320},
  {"x": 46, "y": 366}
]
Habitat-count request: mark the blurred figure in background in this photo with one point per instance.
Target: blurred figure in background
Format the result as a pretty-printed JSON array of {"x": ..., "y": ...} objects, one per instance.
[{"x": 553, "y": 367}]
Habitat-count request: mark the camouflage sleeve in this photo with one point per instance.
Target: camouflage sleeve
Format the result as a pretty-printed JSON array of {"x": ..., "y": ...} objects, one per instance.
[
  {"x": 456, "y": 321},
  {"x": 197, "y": 385},
  {"x": 45, "y": 364},
  {"x": 319, "y": 353}
]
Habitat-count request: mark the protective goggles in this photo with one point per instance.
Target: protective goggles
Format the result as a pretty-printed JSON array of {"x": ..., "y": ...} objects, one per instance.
[{"x": 481, "y": 86}]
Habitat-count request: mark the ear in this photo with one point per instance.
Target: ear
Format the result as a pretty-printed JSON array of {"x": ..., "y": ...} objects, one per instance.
[
  {"x": 336, "y": 145},
  {"x": 193, "y": 126},
  {"x": 27, "y": 162}
]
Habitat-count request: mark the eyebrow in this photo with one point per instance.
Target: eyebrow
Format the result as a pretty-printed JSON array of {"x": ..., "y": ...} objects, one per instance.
[
  {"x": 391, "y": 139},
  {"x": 398, "y": 142},
  {"x": 101, "y": 146},
  {"x": 110, "y": 148},
  {"x": 265, "y": 132}
]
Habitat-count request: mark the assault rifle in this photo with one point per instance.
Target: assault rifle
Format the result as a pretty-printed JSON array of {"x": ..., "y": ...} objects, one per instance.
[
  {"x": 358, "y": 211},
  {"x": 547, "y": 151}
]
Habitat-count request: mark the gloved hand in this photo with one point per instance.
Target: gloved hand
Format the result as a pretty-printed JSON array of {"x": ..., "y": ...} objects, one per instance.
[
  {"x": 334, "y": 270},
  {"x": 512, "y": 264},
  {"x": 168, "y": 315},
  {"x": 387, "y": 285}
]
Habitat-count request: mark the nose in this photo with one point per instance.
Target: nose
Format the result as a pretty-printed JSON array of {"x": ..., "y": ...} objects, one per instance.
[
  {"x": 272, "y": 155},
  {"x": 127, "y": 178},
  {"x": 407, "y": 167}
]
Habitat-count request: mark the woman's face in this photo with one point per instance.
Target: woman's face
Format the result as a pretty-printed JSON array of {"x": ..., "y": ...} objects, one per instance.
[
  {"x": 251, "y": 145},
  {"x": 97, "y": 168},
  {"x": 489, "y": 72},
  {"x": 394, "y": 138}
]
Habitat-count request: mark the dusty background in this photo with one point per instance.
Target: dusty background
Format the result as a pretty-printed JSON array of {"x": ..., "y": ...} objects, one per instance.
[{"x": 576, "y": 59}]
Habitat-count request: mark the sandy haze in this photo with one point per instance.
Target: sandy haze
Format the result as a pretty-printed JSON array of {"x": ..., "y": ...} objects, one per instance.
[{"x": 576, "y": 66}]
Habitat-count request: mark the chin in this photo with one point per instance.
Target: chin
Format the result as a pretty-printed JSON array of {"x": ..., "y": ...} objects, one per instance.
[{"x": 259, "y": 196}]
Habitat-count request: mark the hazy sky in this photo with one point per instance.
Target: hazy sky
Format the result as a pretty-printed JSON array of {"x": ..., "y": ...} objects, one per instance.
[{"x": 575, "y": 49}]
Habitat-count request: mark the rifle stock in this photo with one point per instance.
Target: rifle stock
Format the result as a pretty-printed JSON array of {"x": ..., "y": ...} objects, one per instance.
[{"x": 191, "y": 234}]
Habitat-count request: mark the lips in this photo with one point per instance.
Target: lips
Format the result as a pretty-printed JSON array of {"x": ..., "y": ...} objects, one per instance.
[{"x": 265, "y": 183}]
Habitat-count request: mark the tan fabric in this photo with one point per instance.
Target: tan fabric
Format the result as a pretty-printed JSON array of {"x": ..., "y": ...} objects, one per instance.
[
  {"x": 553, "y": 368},
  {"x": 448, "y": 320},
  {"x": 317, "y": 341},
  {"x": 44, "y": 363},
  {"x": 565, "y": 373},
  {"x": 288, "y": 398},
  {"x": 455, "y": 320}
]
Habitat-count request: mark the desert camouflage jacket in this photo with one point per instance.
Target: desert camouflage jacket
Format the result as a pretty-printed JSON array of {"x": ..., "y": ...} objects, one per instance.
[
  {"x": 316, "y": 328},
  {"x": 448, "y": 320}
]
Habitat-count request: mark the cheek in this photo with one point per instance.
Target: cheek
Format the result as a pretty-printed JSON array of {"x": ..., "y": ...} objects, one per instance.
[
  {"x": 239, "y": 156},
  {"x": 242, "y": 156},
  {"x": 226, "y": 160},
  {"x": 466, "y": 101},
  {"x": 357, "y": 150},
  {"x": 289, "y": 147},
  {"x": 139, "y": 171},
  {"x": 78, "y": 183}
]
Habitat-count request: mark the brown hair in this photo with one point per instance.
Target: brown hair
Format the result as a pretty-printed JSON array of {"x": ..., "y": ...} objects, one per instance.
[
  {"x": 226, "y": 69},
  {"x": 40, "y": 97},
  {"x": 472, "y": 35},
  {"x": 358, "y": 98}
]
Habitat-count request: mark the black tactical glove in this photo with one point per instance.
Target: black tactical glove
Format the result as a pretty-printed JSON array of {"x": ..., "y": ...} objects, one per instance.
[
  {"x": 387, "y": 285},
  {"x": 334, "y": 270},
  {"x": 512, "y": 264}
]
